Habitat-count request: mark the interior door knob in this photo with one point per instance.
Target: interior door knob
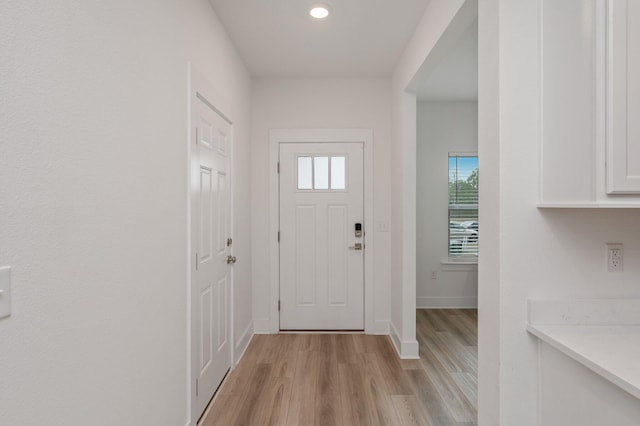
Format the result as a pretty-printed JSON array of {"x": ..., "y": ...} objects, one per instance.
[{"x": 231, "y": 259}]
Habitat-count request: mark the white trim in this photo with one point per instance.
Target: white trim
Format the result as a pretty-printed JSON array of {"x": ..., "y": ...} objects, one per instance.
[
  {"x": 188, "y": 261},
  {"x": 243, "y": 343},
  {"x": 232, "y": 272},
  {"x": 461, "y": 260},
  {"x": 599, "y": 157},
  {"x": 446, "y": 302},
  {"x": 407, "y": 349},
  {"x": 540, "y": 108},
  {"x": 410, "y": 350},
  {"x": 277, "y": 136},
  {"x": 463, "y": 154},
  {"x": 459, "y": 265},
  {"x": 274, "y": 226},
  {"x": 589, "y": 205}
]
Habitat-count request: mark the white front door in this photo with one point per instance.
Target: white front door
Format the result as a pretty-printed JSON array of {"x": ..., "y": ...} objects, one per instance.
[
  {"x": 210, "y": 223},
  {"x": 321, "y": 254}
]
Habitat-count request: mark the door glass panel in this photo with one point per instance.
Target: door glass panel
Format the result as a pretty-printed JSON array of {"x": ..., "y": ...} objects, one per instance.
[
  {"x": 338, "y": 173},
  {"x": 304, "y": 173},
  {"x": 321, "y": 172}
]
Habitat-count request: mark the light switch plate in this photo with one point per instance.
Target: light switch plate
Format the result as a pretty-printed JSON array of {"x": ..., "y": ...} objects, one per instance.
[
  {"x": 5, "y": 291},
  {"x": 382, "y": 226}
]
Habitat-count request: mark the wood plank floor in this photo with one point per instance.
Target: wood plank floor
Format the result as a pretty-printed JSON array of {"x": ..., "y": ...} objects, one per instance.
[{"x": 356, "y": 379}]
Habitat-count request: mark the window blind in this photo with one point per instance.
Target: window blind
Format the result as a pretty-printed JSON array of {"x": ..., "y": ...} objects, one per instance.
[{"x": 463, "y": 206}]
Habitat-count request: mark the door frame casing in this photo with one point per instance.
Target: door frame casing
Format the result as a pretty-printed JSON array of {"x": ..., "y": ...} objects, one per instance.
[
  {"x": 278, "y": 136},
  {"x": 199, "y": 85}
]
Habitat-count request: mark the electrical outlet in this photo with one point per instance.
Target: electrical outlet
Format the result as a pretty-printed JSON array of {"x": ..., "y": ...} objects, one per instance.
[
  {"x": 615, "y": 257},
  {"x": 434, "y": 275}
]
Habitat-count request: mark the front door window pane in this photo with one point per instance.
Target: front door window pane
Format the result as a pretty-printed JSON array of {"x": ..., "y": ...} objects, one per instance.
[
  {"x": 321, "y": 172},
  {"x": 338, "y": 173},
  {"x": 305, "y": 173}
]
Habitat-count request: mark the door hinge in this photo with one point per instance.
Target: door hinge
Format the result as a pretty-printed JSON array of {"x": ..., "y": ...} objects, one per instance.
[
  {"x": 278, "y": 167},
  {"x": 196, "y": 261},
  {"x": 196, "y": 136},
  {"x": 229, "y": 242},
  {"x": 196, "y": 387},
  {"x": 278, "y": 306},
  {"x": 278, "y": 236}
]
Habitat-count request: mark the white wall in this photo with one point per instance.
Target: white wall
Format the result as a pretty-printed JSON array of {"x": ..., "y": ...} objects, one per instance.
[
  {"x": 443, "y": 127},
  {"x": 532, "y": 253},
  {"x": 93, "y": 205},
  {"x": 308, "y": 103}
]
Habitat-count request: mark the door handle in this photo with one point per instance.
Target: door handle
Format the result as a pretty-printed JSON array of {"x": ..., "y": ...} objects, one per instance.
[
  {"x": 231, "y": 259},
  {"x": 357, "y": 246}
]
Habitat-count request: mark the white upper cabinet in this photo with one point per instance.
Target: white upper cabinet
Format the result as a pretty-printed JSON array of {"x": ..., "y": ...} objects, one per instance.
[
  {"x": 590, "y": 103},
  {"x": 623, "y": 97}
]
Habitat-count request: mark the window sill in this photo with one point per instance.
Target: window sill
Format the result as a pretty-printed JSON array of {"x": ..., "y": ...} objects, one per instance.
[{"x": 457, "y": 264}]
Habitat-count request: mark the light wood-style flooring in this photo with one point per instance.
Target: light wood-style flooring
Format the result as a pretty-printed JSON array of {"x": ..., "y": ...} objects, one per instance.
[{"x": 356, "y": 379}]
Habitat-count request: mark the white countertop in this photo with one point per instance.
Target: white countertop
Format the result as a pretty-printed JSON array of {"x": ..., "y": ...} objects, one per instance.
[{"x": 603, "y": 335}]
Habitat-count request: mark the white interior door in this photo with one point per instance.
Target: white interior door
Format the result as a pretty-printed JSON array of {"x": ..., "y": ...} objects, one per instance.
[
  {"x": 321, "y": 255},
  {"x": 210, "y": 222}
]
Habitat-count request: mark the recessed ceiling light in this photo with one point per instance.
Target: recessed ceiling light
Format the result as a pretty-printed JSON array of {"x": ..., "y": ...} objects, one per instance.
[{"x": 319, "y": 11}]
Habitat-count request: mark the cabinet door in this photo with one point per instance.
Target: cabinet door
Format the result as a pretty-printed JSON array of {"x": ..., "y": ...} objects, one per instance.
[{"x": 623, "y": 97}]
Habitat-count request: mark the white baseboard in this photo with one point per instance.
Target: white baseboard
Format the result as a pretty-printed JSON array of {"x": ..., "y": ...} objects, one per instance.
[
  {"x": 262, "y": 326},
  {"x": 446, "y": 302},
  {"x": 407, "y": 349},
  {"x": 410, "y": 350},
  {"x": 243, "y": 343}
]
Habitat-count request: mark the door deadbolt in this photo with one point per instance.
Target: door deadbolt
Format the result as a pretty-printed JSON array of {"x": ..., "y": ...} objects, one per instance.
[{"x": 358, "y": 230}]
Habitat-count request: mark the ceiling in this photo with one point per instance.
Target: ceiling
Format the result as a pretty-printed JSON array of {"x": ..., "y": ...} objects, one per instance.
[{"x": 361, "y": 38}]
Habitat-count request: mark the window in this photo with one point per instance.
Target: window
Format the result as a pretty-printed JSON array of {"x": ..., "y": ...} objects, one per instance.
[
  {"x": 305, "y": 173},
  {"x": 322, "y": 173},
  {"x": 463, "y": 206}
]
